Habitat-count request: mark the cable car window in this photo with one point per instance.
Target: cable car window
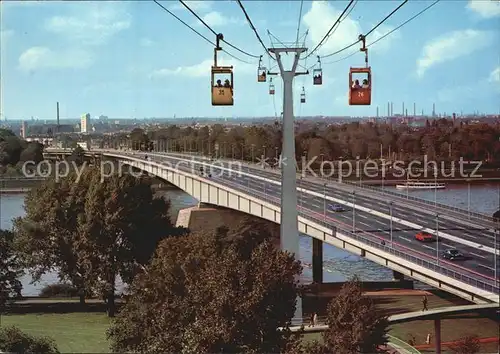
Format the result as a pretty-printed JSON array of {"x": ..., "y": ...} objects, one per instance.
[
  {"x": 317, "y": 76},
  {"x": 261, "y": 74}
]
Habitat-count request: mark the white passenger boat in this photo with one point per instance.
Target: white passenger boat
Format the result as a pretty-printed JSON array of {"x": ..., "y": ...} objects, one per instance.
[{"x": 420, "y": 185}]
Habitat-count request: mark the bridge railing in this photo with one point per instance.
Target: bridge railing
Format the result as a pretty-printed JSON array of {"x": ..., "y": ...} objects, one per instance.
[{"x": 376, "y": 242}]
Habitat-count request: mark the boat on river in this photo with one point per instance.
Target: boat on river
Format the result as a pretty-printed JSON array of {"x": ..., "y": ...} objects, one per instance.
[{"x": 420, "y": 185}]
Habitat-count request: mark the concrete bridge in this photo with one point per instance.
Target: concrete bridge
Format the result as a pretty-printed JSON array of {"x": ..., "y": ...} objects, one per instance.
[
  {"x": 436, "y": 315},
  {"x": 374, "y": 225}
]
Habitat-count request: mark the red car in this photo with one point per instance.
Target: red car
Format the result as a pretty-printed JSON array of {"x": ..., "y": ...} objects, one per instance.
[{"x": 424, "y": 237}]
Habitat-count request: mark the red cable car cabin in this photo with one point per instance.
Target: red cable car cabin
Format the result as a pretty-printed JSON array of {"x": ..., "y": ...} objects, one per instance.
[{"x": 360, "y": 95}]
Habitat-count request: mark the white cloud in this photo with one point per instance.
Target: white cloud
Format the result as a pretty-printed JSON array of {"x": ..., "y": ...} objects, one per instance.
[
  {"x": 451, "y": 46},
  {"x": 44, "y": 58},
  {"x": 216, "y": 19},
  {"x": 319, "y": 19},
  {"x": 495, "y": 75},
  {"x": 146, "y": 42},
  {"x": 203, "y": 69},
  {"x": 485, "y": 9},
  {"x": 195, "y": 5},
  {"x": 93, "y": 24}
]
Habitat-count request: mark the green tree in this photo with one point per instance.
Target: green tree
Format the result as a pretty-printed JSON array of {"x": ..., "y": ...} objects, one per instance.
[
  {"x": 32, "y": 152},
  {"x": 92, "y": 231},
  {"x": 13, "y": 340},
  {"x": 119, "y": 230},
  {"x": 468, "y": 345},
  {"x": 10, "y": 269},
  {"x": 46, "y": 235},
  {"x": 77, "y": 155},
  {"x": 354, "y": 324},
  {"x": 206, "y": 293},
  {"x": 139, "y": 139}
]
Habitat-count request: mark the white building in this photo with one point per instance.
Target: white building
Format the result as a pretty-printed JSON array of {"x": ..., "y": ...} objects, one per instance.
[{"x": 85, "y": 123}]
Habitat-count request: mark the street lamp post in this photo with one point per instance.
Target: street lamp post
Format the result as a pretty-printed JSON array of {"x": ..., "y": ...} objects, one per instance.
[
  {"x": 468, "y": 197},
  {"x": 324, "y": 202},
  {"x": 390, "y": 212},
  {"x": 437, "y": 238},
  {"x": 435, "y": 189},
  {"x": 253, "y": 160},
  {"x": 232, "y": 151},
  {"x": 321, "y": 167},
  {"x": 276, "y": 155},
  {"x": 353, "y": 211},
  {"x": 495, "y": 256}
]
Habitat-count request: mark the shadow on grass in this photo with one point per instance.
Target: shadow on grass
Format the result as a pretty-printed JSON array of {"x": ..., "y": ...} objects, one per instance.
[{"x": 57, "y": 307}]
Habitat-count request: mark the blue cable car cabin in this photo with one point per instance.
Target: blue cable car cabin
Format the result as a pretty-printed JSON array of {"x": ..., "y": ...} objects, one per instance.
[{"x": 222, "y": 83}]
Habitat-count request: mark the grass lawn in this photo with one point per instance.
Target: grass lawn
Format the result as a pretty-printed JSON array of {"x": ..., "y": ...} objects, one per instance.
[{"x": 73, "y": 332}]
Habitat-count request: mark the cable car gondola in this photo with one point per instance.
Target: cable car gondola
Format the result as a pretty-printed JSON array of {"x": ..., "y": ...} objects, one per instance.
[
  {"x": 318, "y": 74},
  {"x": 303, "y": 96},
  {"x": 271, "y": 86},
  {"x": 261, "y": 72},
  {"x": 360, "y": 93},
  {"x": 222, "y": 81}
]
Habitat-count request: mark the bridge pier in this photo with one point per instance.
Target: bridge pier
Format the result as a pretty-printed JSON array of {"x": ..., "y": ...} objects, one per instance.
[
  {"x": 398, "y": 276},
  {"x": 317, "y": 260},
  {"x": 437, "y": 335}
]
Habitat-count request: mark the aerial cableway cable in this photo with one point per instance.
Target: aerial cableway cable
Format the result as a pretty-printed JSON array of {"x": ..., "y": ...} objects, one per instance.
[
  {"x": 390, "y": 32},
  {"x": 198, "y": 33},
  {"x": 331, "y": 29},
  {"x": 215, "y": 33},
  {"x": 254, "y": 29},
  {"x": 298, "y": 24},
  {"x": 373, "y": 29}
]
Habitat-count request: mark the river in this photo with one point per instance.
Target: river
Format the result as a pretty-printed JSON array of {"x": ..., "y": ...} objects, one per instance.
[{"x": 339, "y": 265}]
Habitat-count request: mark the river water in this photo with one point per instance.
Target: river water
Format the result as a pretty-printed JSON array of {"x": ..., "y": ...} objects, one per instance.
[{"x": 339, "y": 265}]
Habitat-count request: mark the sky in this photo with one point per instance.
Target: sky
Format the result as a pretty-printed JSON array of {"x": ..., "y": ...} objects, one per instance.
[{"x": 132, "y": 59}]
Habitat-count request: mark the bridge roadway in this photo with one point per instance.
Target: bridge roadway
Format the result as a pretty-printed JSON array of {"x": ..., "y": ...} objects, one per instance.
[
  {"x": 475, "y": 242},
  {"x": 369, "y": 213}
]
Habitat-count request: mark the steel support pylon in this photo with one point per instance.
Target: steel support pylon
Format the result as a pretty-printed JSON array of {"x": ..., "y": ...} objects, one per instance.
[{"x": 289, "y": 232}]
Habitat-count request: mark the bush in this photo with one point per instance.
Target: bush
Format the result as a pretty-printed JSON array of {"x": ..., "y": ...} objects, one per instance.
[
  {"x": 59, "y": 290},
  {"x": 13, "y": 340}
]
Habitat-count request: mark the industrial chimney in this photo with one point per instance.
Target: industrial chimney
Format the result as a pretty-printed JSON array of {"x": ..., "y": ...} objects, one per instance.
[{"x": 58, "y": 117}]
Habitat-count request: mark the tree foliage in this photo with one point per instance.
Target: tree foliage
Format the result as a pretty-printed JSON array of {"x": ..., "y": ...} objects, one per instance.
[
  {"x": 440, "y": 140},
  {"x": 468, "y": 345},
  {"x": 92, "y": 230},
  {"x": 206, "y": 293},
  {"x": 10, "y": 269},
  {"x": 13, "y": 149},
  {"x": 354, "y": 324},
  {"x": 13, "y": 340}
]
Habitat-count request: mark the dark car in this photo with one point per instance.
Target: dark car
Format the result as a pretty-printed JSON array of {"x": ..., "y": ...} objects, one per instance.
[
  {"x": 453, "y": 255},
  {"x": 336, "y": 208}
]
